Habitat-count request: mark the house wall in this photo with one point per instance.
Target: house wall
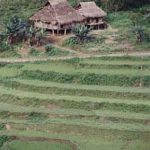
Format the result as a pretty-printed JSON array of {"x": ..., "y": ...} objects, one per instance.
[
  {"x": 94, "y": 20},
  {"x": 54, "y": 26},
  {"x": 96, "y": 23},
  {"x": 46, "y": 25}
]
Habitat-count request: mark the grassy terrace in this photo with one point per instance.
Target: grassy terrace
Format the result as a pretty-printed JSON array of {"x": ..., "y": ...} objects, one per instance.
[
  {"x": 70, "y": 69},
  {"x": 94, "y": 103},
  {"x": 38, "y": 145}
]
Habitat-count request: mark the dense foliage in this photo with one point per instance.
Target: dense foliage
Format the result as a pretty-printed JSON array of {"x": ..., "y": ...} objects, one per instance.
[
  {"x": 3, "y": 139},
  {"x": 114, "y": 5},
  {"x": 28, "y": 7}
]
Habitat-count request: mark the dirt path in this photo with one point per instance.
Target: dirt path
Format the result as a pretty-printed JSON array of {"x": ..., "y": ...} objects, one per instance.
[
  {"x": 42, "y": 139},
  {"x": 79, "y": 55}
]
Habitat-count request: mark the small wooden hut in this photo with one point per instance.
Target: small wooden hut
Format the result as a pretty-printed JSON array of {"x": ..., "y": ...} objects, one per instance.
[
  {"x": 95, "y": 16},
  {"x": 57, "y": 16}
]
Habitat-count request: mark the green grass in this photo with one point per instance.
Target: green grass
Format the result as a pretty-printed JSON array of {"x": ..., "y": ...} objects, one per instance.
[
  {"x": 6, "y": 72},
  {"x": 110, "y": 41},
  {"x": 114, "y": 62},
  {"x": 72, "y": 100},
  {"x": 90, "y": 142},
  {"x": 123, "y": 22},
  {"x": 97, "y": 103},
  {"x": 62, "y": 68},
  {"x": 75, "y": 113},
  {"x": 92, "y": 103},
  {"x": 38, "y": 83},
  {"x": 78, "y": 89},
  {"x": 20, "y": 93},
  {"x": 99, "y": 39},
  {"x": 21, "y": 145},
  {"x": 89, "y": 78}
]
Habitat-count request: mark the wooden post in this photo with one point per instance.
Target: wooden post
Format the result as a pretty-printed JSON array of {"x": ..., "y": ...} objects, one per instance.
[
  {"x": 65, "y": 32},
  {"x": 53, "y": 32},
  {"x": 57, "y": 32}
]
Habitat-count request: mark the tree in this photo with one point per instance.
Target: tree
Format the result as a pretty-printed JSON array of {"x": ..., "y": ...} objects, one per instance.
[
  {"x": 31, "y": 34},
  {"x": 81, "y": 32},
  {"x": 146, "y": 18},
  {"x": 115, "y": 5},
  {"x": 39, "y": 36},
  {"x": 35, "y": 36},
  {"x": 15, "y": 29}
]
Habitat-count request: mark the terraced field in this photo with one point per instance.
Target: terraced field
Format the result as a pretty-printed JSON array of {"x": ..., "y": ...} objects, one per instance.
[{"x": 77, "y": 104}]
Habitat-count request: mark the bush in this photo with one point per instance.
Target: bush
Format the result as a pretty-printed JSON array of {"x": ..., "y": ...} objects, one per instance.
[
  {"x": 2, "y": 126},
  {"x": 140, "y": 33},
  {"x": 4, "y": 47},
  {"x": 33, "y": 51},
  {"x": 89, "y": 79},
  {"x": 53, "y": 51},
  {"x": 71, "y": 42},
  {"x": 81, "y": 32},
  {"x": 48, "y": 48},
  {"x": 37, "y": 117},
  {"x": 3, "y": 139}
]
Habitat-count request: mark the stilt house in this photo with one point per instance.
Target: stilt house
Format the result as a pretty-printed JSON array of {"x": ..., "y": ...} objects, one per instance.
[
  {"x": 57, "y": 16},
  {"x": 95, "y": 16}
]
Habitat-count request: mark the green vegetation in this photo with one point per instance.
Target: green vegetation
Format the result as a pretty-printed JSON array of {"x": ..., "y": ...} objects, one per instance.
[
  {"x": 71, "y": 100},
  {"x": 3, "y": 139},
  {"x": 127, "y": 22},
  {"x": 50, "y": 50},
  {"x": 76, "y": 104},
  {"x": 130, "y": 25},
  {"x": 17, "y": 145},
  {"x": 81, "y": 32},
  {"x": 130, "y": 33}
]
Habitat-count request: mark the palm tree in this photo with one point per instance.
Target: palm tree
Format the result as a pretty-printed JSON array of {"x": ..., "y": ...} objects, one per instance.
[{"x": 81, "y": 32}]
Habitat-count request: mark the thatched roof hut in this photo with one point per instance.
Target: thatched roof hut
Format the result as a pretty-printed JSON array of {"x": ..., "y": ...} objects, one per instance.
[
  {"x": 90, "y": 10},
  {"x": 58, "y": 14},
  {"x": 95, "y": 16}
]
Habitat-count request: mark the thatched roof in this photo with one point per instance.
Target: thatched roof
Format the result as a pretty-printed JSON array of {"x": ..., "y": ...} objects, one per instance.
[
  {"x": 58, "y": 11},
  {"x": 90, "y": 10}
]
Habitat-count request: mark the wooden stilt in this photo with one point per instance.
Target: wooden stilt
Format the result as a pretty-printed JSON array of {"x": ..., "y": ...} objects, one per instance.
[
  {"x": 65, "y": 32},
  {"x": 53, "y": 32},
  {"x": 57, "y": 32}
]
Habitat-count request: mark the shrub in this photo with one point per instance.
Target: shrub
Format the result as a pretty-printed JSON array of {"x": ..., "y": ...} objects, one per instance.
[
  {"x": 33, "y": 51},
  {"x": 3, "y": 139},
  {"x": 53, "y": 51},
  {"x": 71, "y": 42},
  {"x": 4, "y": 47},
  {"x": 36, "y": 117},
  {"x": 2, "y": 126},
  {"x": 90, "y": 79},
  {"x": 81, "y": 32},
  {"x": 48, "y": 48},
  {"x": 140, "y": 33}
]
